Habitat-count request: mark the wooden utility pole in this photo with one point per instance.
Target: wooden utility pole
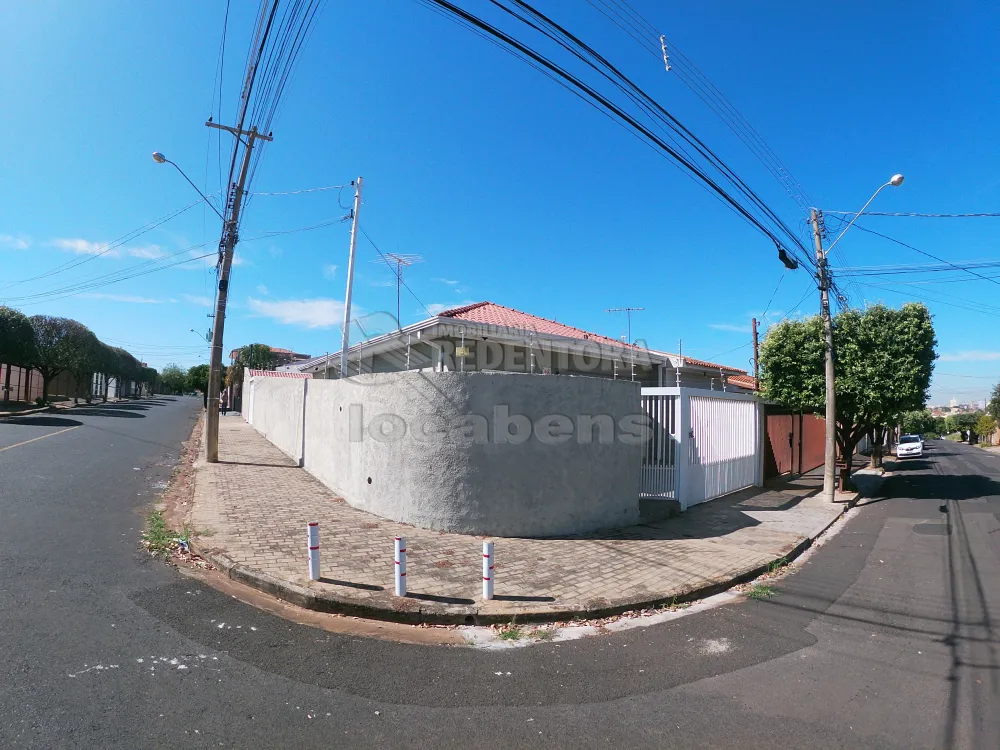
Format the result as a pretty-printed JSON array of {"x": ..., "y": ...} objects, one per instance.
[
  {"x": 830, "y": 463},
  {"x": 230, "y": 237},
  {"x": 756, "y": 354}
]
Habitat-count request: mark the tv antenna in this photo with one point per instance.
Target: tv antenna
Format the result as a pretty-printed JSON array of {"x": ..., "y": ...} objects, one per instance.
[
  {"x": 628, "y": 311},
  {"x": 400, "y": 261}
]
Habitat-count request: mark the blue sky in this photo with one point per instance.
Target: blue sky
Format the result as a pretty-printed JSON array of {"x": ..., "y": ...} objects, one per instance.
[{"x": 510, "y": 188}]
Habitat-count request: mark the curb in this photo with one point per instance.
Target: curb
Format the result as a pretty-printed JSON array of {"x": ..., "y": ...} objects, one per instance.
[{"x": 408, "y": 612}]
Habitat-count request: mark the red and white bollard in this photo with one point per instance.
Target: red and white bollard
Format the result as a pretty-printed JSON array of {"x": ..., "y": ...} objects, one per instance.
[
  {"x": 488, "y": 567},
  {"x": 313, "y": 550},
  {"x": 400, "y": 566}
]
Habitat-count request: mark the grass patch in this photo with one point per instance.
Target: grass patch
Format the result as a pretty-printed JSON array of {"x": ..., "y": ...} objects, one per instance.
[
  {"x": 541, "y": 634},
  {"x": 674, "y": 605},
  {"x": 510, "y": 632},
  {"x": 157, "y": 538},
  {"x": 761, "y": 591}
]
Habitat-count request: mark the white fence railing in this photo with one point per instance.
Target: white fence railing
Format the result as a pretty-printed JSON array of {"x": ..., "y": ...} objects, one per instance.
[
  {"x": 703, "y": 444},
  {"x": 659, "y": 454}
]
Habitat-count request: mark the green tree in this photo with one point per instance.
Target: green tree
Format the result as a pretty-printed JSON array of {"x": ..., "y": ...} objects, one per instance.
[
  {"x": 985, "y": 427},
  {"x": 251, "y": 357},
  {"x": 17, "y": 338},
  {"x": 884, "y": 360},
  {"x": 173, "y": 379},
  {"x": 964, "y": 423},
  {"x": 61, "y": 345},
  {"x": 993, "y": 407},
  {"x": 917, "y": 422}
]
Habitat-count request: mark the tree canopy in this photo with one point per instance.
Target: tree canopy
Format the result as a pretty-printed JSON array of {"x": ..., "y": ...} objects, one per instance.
[
  {"x": 883, "y": 360},
  {"x": 250, "y": 357},
  {"x": 173, "y": 379},
  {"x": 53, "y": 345},
  {"x": 17, "y": 337}
]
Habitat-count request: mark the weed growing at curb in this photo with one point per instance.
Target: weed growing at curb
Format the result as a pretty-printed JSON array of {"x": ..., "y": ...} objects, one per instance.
[
  {"x": 761, "y": 591},
  {"x": 157, "y": 538},
  {"x": 510, "y": 632},
  {"x": 541, "y": 634}
]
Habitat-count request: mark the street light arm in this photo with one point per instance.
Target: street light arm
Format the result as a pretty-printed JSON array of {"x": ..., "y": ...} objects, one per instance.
[
  {"x": 160, "y": 159},
  {"x": 856, "y": 217}
]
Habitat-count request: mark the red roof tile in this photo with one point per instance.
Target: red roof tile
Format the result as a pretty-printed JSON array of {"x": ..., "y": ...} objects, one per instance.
[
  {"x": 498, "y": 315},
  {"x": 744, "y": 381}
]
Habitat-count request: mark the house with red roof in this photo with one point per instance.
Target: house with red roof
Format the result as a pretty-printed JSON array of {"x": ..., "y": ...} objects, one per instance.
[{"x": 487, "y": 337}]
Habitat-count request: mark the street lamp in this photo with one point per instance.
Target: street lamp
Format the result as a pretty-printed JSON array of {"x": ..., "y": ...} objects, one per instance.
[
  {"x": 822, "y": 272},
  {"x": 895, "y": 181},
  {"x": 161, "y": 159}
]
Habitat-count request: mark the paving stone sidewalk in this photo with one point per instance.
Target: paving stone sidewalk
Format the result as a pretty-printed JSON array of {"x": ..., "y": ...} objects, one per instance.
[{"x": 250, "y": 512}]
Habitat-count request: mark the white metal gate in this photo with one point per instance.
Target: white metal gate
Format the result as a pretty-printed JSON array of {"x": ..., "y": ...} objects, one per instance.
[
  {"x": 702, "y": 444},
  {"x": 660, "y": 452},
  {"x": 722, "y": 449}
]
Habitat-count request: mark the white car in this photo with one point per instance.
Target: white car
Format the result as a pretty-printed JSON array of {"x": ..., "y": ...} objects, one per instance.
[{"x": 910, "y": 446}]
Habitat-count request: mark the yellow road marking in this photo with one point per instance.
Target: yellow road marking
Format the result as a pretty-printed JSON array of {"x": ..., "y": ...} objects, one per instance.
[{"x": 15, "y": 445}]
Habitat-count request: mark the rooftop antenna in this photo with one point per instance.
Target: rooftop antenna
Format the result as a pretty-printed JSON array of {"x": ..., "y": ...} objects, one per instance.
[
  {"x": 401, "y": 261},
  {"x": 628, "y": 312}
]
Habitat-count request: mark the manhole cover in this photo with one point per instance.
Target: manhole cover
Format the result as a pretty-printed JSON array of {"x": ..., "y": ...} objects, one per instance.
[{"x": 934, "y": 529}]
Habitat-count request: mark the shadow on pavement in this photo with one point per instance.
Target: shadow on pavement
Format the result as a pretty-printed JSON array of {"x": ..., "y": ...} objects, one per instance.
[
  {"x": 442, "y": 599},
  {"x": 106, "y": 411},
  {"x": 351, "y": 584},
  {"x": 41, "y": 421}
]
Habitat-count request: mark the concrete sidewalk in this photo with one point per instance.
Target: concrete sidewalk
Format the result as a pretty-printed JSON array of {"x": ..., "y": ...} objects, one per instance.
[{"x": 250, "y": 512}]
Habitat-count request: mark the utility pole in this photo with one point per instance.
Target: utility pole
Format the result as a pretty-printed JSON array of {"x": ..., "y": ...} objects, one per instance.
[
  {"x": 345, "y": 341},
  {"x": 756, "y": 354},
  {"x": 829, "y": 467},
  {"x": 230, "y": 237}
]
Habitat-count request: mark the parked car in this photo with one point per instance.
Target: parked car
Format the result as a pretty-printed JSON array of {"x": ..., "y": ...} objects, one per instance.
[{"x": 910, "y": 446}]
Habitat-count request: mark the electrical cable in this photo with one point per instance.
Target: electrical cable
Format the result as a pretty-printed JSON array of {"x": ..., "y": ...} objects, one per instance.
[
  {"x": 623, "y": 83},
  {"x": 105, "y": 249}
]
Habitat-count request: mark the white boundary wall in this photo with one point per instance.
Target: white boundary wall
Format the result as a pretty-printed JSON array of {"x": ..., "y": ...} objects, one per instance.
[{"x": 450, "y": 451}]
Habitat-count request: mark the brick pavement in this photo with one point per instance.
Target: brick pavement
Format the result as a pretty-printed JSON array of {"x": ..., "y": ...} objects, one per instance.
[{"x": 250, "y": 510}]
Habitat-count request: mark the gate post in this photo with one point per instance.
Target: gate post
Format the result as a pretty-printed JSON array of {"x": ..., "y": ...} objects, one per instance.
[{"x": 682, "y": 458}]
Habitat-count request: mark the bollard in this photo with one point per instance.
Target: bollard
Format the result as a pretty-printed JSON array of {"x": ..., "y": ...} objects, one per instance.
[
  {"x": 313, "y": 528},
  {"x": 400, "y": 566},
  {"x": 488, "y": 570}
]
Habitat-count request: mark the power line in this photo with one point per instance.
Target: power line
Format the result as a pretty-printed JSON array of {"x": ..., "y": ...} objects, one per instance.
[
  {"x": 598, "y": 63},
  {"x": 306, "y": 190},
  {"x": 109, "y": 247},
  {"x": 922, "y": 216},
  {"x": 923, "y": 252}
]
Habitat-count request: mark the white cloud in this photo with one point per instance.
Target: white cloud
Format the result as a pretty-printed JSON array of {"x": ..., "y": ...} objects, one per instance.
[
  {"x": 123, "y": 298},
  {"x": 261, "y": 289},
  {"x": 330, "y": 271},
  {"x": 437, "y": 308},
  {"x": 974, "y": 355},
  {"x": 196, "y": 300},
  {"x": 20, "y": 242},
  {"x": 83, "y": 247},
  {"x": 239, "y": 260},
  {"x": 449, "y": 282},
  {"x": 149, "y": 251},
  {"x": 385, "y": 284},
  {"x": 308, "y": 313},
  {"x": 729, "y": 327}
]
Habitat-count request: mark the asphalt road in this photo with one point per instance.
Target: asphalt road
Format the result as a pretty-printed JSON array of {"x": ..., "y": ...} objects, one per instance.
[{"x": 885, "y": 638}]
